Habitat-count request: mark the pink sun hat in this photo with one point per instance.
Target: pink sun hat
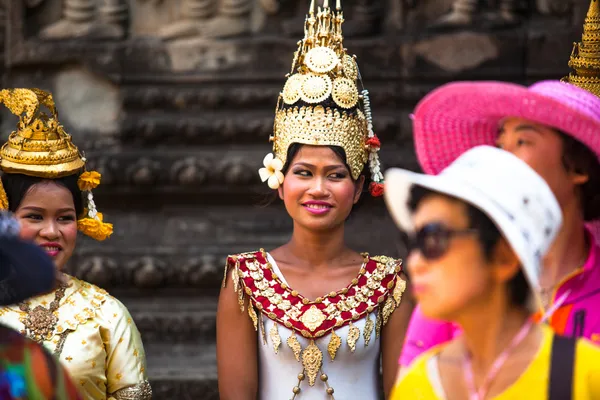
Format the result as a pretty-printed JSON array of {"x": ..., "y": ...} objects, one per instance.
[{"x": 459, "y": 116}]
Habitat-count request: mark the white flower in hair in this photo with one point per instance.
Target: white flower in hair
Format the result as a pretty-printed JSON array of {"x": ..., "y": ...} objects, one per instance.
[{"x": 271, "y": 172}]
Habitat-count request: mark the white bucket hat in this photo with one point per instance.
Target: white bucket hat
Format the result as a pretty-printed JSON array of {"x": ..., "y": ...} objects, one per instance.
[{"x": 499, "y": 184}]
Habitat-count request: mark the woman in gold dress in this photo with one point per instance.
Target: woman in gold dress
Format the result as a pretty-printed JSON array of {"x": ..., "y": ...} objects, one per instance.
[
  {"x": 44, "y": 182},
  {"x": 323, "y": 319}
]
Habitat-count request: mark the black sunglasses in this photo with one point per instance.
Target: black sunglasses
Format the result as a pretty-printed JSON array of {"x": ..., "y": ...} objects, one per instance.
[{"x": 433, "y": 240}]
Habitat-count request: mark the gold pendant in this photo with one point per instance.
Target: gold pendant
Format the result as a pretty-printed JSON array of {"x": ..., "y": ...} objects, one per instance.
[
  {"x": 292, "y": 341},
  {"x": 378, "y": 323},
  {"x": 334, "y": 344},
  {"x": 353, "y": 335},
  {"x": 312, "y": 359},
  {"x": 368, "y": 330},
  {"x": 41, "y": 323},
  {"x": 399, "y": 290},
  {"x": 388, "y": 309},
  {"x": 275, "y": 338},
  {"x": 240, "y": 293},
  {"x": 253, "y": 316},
  {"x": 235, "y": 277},
  {"x": 262, "y": 328},
  {"x": 312, "y": 318}
]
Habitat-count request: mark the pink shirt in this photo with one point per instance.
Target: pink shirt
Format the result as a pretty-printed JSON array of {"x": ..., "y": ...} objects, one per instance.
[{"x": 579, "y": 315}]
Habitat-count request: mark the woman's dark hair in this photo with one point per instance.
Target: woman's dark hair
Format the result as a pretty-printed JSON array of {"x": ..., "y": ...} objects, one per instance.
[
  {"x": 340, "y": 152},
  {"x": 488, "y": 235},
  {"x": 577, "y": 157},
  {"x": 18, "y": 185}
]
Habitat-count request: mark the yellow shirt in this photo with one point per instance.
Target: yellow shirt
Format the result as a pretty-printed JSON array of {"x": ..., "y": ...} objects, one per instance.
[
  {"x": 532, "y": 384},
  {"x": 102, "y": 349}
]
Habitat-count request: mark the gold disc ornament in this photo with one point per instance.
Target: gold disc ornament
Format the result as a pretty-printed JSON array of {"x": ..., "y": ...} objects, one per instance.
[
  {"x": 345, "y": 93},
  {"x": 321, "y": 59},
  {"x": 292, "y": 88},
  {"x": 315, "y": 88},
  {"x": 350, "y": 68}
]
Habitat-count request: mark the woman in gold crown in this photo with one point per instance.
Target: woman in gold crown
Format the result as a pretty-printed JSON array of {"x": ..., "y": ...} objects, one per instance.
[
  {"x": 319, "y": 314},
  {"x": 44, "y": 183}
]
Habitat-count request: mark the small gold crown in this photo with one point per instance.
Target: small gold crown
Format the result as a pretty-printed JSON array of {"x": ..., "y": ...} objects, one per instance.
[
  {"x": 320, "y": 97},
  {"x": 585, "y": 58},
  {"x": 40, "y": 146}
]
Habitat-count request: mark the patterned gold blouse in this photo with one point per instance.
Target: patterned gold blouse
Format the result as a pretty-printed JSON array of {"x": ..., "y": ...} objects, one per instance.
[{"x": 95, "y": 339}]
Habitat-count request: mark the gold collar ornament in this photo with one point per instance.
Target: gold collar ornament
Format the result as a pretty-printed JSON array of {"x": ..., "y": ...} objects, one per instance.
[
  {"x": 585, "y": 58},
  {"x": 321, "y": 105},
  {"x": 40, "y": 147}
]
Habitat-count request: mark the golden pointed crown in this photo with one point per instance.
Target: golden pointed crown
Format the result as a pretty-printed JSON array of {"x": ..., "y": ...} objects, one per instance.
[
  {"x": 320, "y": 103},
  {"x": 585, "y": 58},
  {"x": 40, "y": 146}
]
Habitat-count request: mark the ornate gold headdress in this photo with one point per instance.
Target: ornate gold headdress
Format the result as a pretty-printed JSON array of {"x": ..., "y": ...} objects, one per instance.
[
  {"x": 585, "y": 58},
  {"x": 40, "y": 147},
  {"x": 320, "y": 103}
]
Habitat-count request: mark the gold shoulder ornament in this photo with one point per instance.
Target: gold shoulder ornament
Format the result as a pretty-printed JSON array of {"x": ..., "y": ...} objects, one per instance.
[{"x": 40, "y": 147}]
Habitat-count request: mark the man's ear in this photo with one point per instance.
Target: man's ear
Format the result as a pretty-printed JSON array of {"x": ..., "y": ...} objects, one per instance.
[
  {"x": 505, "y": 261},
  {"x": 578, "y": 177},
  {"x": 360, "y": 184}
]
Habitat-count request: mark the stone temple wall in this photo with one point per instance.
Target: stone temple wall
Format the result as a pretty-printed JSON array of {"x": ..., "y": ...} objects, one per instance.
[{"x": 173, "y": 102}]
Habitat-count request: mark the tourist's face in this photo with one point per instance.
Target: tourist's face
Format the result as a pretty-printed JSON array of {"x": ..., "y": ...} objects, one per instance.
[
  {"x": 542, "y": 149},
  {"x": 318, "y": 190},
  {"x": 446, "y": 284},
  {"x": 47, "y": 217}
]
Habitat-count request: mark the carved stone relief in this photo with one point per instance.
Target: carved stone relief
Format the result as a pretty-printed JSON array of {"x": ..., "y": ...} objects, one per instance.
[
  {"x": 210, "y": 19},
  {"x": 94, "y": 19}
]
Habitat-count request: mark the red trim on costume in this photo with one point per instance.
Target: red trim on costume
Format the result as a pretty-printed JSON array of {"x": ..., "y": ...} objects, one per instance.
[{"x": 282, "y": 304}]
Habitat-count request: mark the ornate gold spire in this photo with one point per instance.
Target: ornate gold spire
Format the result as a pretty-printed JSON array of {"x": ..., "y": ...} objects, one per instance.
[
  {"x": 320, "y": 103},
  {"x": 40, "y": 146},
  {"x": 585, "y": 58}
]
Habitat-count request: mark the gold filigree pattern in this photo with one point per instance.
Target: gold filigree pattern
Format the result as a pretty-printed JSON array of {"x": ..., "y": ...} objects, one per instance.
[
  {"x": 378, "y": 322},
  {"x": 263, "y": 331},
  {"x": 40, "y": 322},
  {"x": 399, "y": 290},
  {"x": 292, "y": 88},
  {"x": 142, "y": 391},
  {"x": 322, "y": 127},
  {"x": 585, "y": 58},
  {"x": 313, "y": 318},
  {"x": 294, "y": 344},
  {"x": 235, "y": 278},
  {"x": 350, "y": 68},
  {"x": 275, "y": 338},
  {"x": 40, "y": 146},
  {"x": 353, "y": 335},
  {"x": 388, "y": 309},
  {"x": 321, "y": 59},
  {"x": 315, "y": 88},
  {"x": 334, "y": 345},
  {"x": 312, "y": 359},
  {"x": 240, "y": 293},
  {"x": 345, "y": 93},
  {"x": 368, "y": 331}
]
